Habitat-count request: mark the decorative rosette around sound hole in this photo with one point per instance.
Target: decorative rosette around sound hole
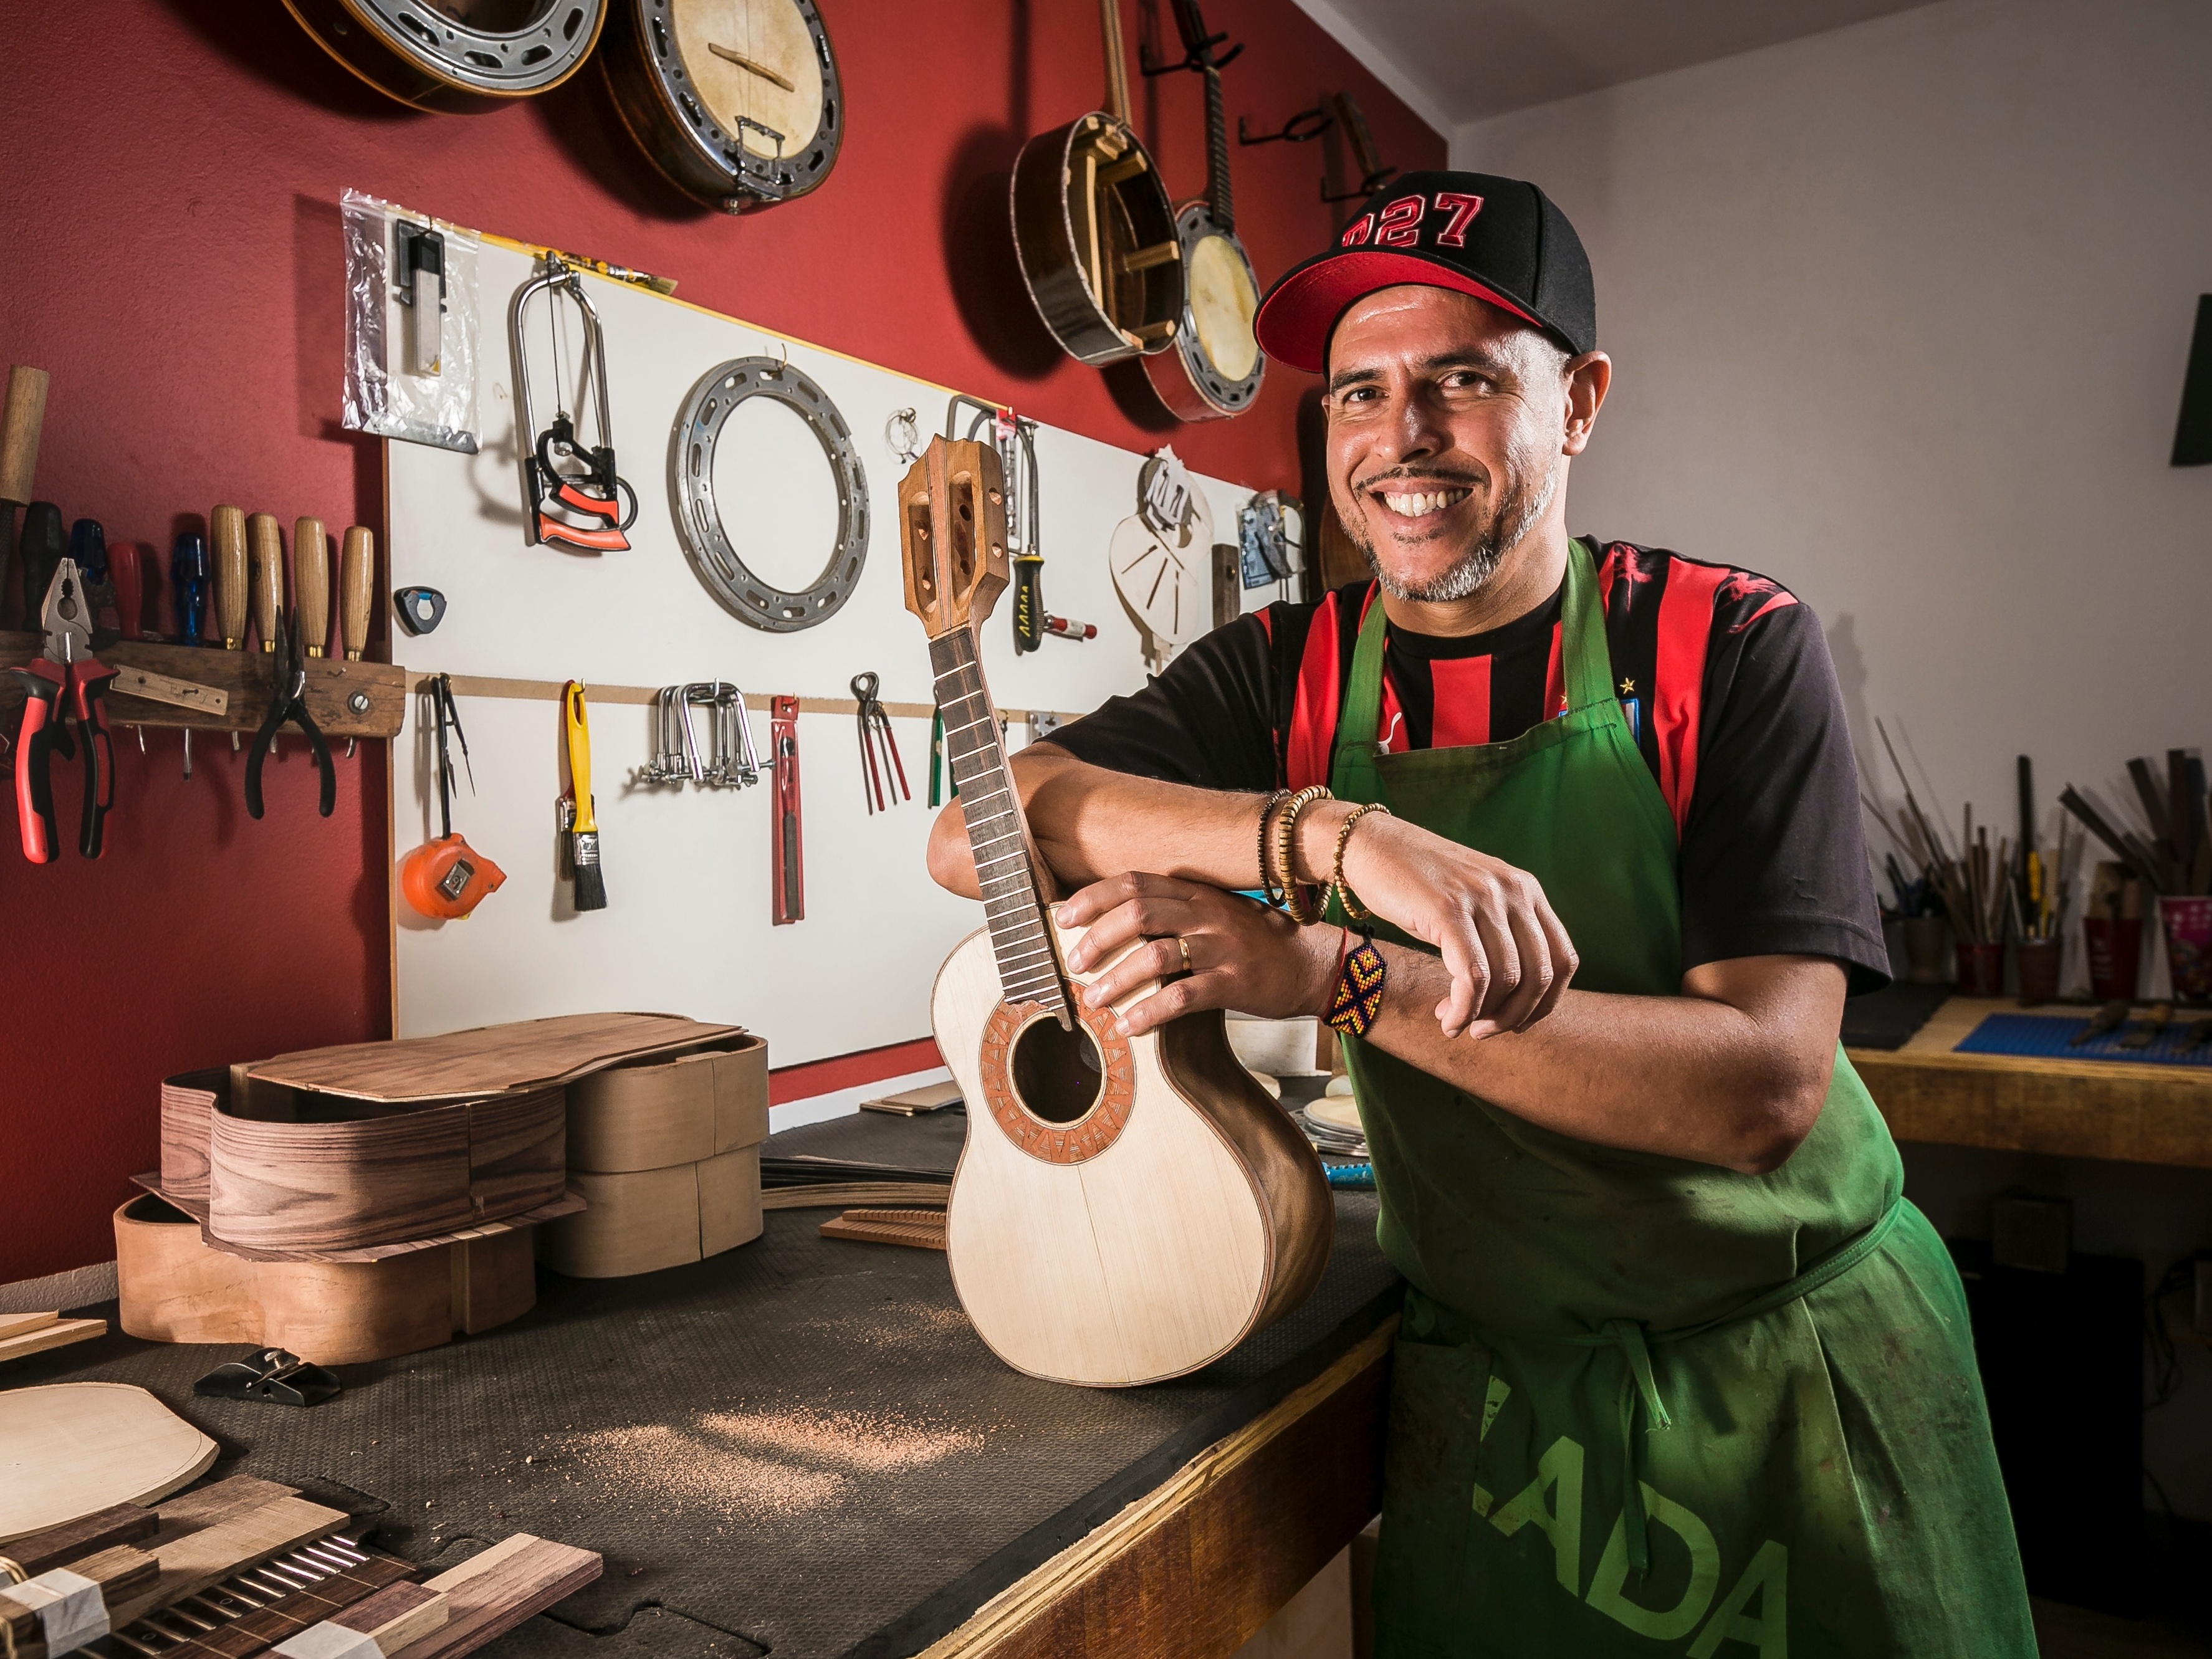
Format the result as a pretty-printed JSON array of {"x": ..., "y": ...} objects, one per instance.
[{"x": 1082, "y": 1136}]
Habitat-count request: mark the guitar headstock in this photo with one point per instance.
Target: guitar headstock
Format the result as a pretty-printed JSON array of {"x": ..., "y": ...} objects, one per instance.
[{"x": 952, "y": 531}]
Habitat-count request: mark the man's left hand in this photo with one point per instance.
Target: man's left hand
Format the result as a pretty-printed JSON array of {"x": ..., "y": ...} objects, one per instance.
[{"x": 1242, "y": 955}]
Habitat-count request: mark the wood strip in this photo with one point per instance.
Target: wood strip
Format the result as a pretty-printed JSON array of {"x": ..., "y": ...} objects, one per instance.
[
  {"x": 57, "y": 1547},
  {"x": 837, "y": 1195},
  {"x": 117, "y": 1571},
  {"x": 59, "y": 1334},
  {"x": 393, "y": 1617},
  {"x": 14, "y": 1325},
  {"x": 920, "y": 1230},
  {"x": 469, "y": 685},
  {"x": 1191, "y": 1569},
  {"x": 261, "y": 1629},
  {"x": 492, "y": 1592},
  {"x": 489, "y": 1059}
]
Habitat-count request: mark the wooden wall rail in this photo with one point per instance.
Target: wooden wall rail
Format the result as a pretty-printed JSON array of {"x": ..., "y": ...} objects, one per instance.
[
  {"x": 469, "y": 685},
  {"x": 346, "y": 699}
]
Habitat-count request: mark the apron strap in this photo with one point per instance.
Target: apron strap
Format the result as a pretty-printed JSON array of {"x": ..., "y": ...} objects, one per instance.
[{"x": 1586, "y": 665}]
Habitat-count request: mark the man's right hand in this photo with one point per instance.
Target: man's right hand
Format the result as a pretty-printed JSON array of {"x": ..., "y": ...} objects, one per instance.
[{"x": 1508, "y": 955}]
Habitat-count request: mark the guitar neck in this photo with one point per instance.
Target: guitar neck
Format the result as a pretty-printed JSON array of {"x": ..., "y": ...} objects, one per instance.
[
  {"x": 1005, "y": 866},
  {"x": 1117, "y": 71},
  {"x": 1218, "y": 196}
]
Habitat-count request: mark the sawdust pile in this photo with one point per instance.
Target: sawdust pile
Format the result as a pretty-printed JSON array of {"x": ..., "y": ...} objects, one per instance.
[
  {"x": 860, "y": 1443},
  {"x": 732, "y": 1463}
]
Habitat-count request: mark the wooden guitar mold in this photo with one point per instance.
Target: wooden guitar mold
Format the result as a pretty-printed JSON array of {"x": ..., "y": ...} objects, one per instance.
[
  {"x": 174, "y": 1287},
  {"x": 1125, "y": 1209}
]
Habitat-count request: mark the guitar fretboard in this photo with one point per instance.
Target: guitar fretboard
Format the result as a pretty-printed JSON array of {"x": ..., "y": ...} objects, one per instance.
[{"x": 1021, "y": 937}]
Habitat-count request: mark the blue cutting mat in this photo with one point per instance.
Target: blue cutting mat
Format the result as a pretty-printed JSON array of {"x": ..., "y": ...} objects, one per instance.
[{"x": 2047, "y": 1035}]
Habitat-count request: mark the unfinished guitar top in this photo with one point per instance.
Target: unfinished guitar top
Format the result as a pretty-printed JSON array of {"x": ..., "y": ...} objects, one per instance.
[
  {"x": 490, "y": 1059},
  {"x": 67, "y": 1449}
]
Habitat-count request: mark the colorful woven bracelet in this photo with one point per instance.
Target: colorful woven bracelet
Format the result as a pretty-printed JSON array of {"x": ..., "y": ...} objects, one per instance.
[{"x": 1358, "y": 996}]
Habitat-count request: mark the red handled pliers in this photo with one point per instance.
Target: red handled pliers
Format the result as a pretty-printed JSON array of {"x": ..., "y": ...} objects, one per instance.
[{"x": 67, "y": 682}]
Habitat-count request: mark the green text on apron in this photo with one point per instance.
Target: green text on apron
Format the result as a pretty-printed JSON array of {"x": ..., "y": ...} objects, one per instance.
[{"x": 1643, "y": 1406}]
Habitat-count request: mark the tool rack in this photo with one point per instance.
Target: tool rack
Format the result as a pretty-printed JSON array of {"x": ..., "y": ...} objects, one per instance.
[{"x": 347, "y": 699}]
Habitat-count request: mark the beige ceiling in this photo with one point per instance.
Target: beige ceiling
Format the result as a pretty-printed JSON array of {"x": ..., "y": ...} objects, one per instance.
[{"x": 1457, "y": 61}]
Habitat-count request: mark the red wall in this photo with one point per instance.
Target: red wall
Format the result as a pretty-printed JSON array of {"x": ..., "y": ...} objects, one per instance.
[{"x": 169, "y": 253}]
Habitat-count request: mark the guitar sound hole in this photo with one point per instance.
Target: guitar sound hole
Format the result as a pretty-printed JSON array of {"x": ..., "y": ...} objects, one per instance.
[{"x": 1056, "y": 1072}]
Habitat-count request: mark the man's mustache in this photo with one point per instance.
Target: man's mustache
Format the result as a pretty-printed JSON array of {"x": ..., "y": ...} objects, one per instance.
[{"x": 1437, "y": 480}]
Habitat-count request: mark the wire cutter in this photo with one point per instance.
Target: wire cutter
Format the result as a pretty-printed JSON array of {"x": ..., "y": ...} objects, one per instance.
[
  {"x": 288, "y": 685},
  {"x": 67, "y": 682}
]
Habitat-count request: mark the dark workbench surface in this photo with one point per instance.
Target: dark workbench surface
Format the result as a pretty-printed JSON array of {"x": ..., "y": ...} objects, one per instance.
[{"x": 799, "y": 1446}]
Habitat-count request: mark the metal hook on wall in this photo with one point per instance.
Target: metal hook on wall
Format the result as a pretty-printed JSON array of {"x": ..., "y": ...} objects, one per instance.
[{"x": 1303, "y": 128}]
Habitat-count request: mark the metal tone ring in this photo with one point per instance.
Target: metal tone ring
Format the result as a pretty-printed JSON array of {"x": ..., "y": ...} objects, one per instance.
[{"x": 699, "y": 524}]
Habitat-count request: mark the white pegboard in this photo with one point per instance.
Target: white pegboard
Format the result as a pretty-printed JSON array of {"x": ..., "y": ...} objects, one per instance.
[{"x": 687, "y": 927}]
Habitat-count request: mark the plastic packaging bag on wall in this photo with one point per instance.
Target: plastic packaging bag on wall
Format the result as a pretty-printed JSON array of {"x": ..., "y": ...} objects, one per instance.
[{"x": 411, "y": 333}]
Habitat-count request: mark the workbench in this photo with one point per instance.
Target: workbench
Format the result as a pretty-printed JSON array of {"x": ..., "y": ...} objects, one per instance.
[
  {"x": 801, "y": 1447},
  {"x": 2067, "y": 1107}
]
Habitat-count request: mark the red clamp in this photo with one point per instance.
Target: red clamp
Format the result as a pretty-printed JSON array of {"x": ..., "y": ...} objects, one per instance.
[{"x": 786, "y": 862}]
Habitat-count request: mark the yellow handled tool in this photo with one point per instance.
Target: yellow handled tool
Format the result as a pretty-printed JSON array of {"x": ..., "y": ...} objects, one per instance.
[{"x": 590, "y": 886}]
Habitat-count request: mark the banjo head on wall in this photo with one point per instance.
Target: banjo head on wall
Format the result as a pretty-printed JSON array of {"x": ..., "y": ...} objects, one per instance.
[
  {"x": 699, "y": 523},
  {"x": 1216, "y": 368},
  {"x": 455, "y": 55},
  {"x": 737, "y": 101}
]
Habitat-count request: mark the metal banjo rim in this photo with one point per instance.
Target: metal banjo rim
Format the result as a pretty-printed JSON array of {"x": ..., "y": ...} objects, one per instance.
[
  {"x": 706, "y": 545},
  {"x": 486, "y": 63},
  {"x": 749, "y": 180},
  {"x": 1194, "y": 222}
]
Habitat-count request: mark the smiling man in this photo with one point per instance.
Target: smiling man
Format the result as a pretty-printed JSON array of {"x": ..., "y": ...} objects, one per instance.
[{"x": 1681, "y": 1371}]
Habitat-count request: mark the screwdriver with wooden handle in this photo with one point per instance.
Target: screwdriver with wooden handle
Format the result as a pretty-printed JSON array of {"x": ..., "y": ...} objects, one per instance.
[{"x": 311, "y": 586}]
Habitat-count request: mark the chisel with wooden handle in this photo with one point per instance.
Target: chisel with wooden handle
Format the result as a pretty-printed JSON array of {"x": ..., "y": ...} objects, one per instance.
[
  {"x": 265, "y": 543},
  {"x": 310, "y": 585},
  {"x": 356, "y": 593},
  {"x": 226, "y": 568},
  {"x": 357, "y": 589},
  {"x": 22, "y": 418}
]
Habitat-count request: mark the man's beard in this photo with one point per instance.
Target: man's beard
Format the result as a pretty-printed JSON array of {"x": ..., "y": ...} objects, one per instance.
[{"x": 1515, "y": 516}]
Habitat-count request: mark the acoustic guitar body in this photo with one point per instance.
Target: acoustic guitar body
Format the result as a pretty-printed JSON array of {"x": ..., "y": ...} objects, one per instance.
[{"x": 1125, "y": 1209}]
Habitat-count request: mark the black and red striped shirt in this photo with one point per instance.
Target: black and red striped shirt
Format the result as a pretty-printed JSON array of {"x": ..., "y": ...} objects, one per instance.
[{"x": 1723, "y": 675}]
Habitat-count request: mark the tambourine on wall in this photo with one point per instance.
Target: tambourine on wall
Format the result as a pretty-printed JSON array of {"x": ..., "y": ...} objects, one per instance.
[{"x": 736, "y": 101}]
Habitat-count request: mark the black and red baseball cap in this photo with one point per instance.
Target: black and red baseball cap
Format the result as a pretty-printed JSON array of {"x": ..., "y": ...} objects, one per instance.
[{"x": 1500, "y": 239}]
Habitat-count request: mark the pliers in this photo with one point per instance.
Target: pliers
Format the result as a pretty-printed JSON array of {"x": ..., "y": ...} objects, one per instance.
[
  {"x": 67, "y": 682},
  {"x": 287, "y": 684}
]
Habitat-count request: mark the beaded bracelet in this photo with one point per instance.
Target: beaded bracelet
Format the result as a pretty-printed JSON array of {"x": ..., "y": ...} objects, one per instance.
[
  {"x": 1358, "y": 997},
  {"x": 1352, "y": 908},
  {"x": 1269, "y": 890},
  {"x": 1286, "y": 823}
]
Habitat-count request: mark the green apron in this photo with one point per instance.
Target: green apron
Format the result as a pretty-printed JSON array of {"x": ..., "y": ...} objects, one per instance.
[{"x": 1640, "y": 1405}]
